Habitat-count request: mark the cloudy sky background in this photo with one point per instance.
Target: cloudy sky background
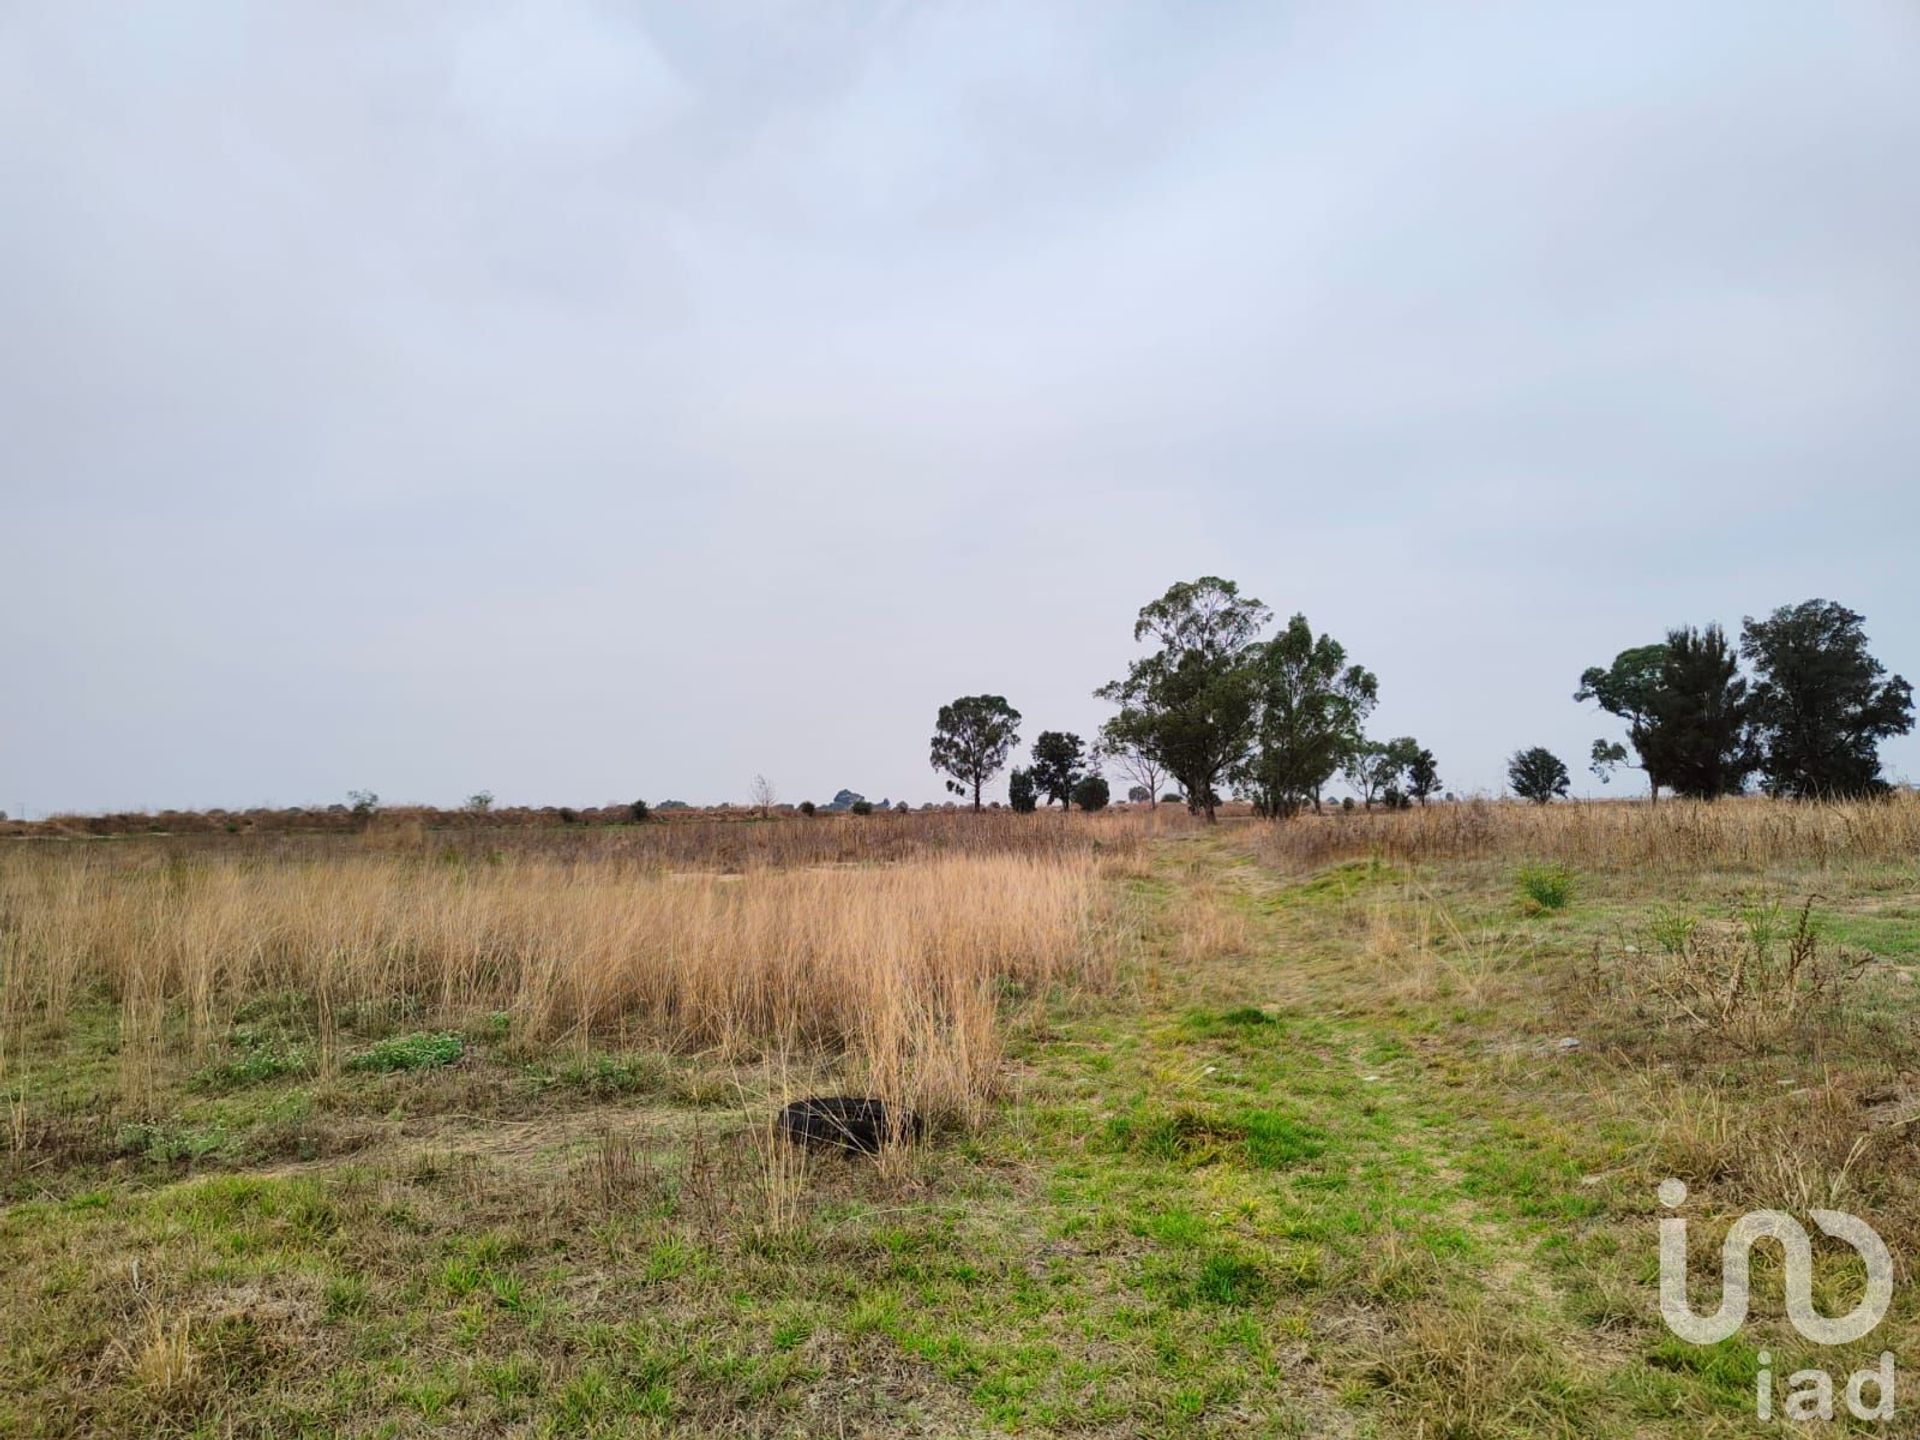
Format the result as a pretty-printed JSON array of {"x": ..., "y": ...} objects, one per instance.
[{"x": 588, "y": 400}]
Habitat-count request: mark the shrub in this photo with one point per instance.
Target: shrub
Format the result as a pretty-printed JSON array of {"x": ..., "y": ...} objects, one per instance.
[
  {"x": 1022, "y": 793},
  {"x": 1545, "y": 887},
  {"x": 861, "y": 807},
  {"x": 641, "y": 814},
  {"x": 809, "y": 809},
  {"x": 1091, "y": 793},
  {"x": 425, "y": 1050}
]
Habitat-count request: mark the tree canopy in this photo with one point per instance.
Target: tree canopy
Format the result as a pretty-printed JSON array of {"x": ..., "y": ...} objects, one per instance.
[
  {"x": 1127, "y": 742},
  {"x": 1313, "y": 706},
  {"x": 1022, "y": 794},
  {"x": 972, "y": 738},
  {"x": 1537, "y": 774},
  {"x": 1090, "y": 792},
  {"x": 1821, "y": 703},
  {"x": 1627, "y": 688},
  {"x": 1059, "y": 762},
  {"x": 1698, "y": 736},
  {"x": 1423, "y": 776},
  {"x": 1194, "y": 695}
]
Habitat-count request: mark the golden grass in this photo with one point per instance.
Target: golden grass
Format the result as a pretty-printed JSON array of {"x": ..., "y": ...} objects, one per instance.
[
  {"x": 904, "y": 970},
  {"x": 1742, "y": 834},
  {"x": 687, "y": 841}
]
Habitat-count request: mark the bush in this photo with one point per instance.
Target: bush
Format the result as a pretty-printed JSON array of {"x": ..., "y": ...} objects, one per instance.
[
  {"x": 1091, "y": 793},
  {"x": 809, "y": 809},
  {"x": 861, "y": 807},
  {"x": 1022, "y": 794},
  {"x": 641, "y": 814},
  {"x": 1545, "y": 887}
]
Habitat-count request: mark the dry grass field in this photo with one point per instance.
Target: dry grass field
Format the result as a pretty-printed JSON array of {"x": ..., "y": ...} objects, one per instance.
[{"x": 1349, "y": 1126}]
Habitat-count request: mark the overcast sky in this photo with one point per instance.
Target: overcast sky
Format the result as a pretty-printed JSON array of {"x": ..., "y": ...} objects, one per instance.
[{"x": 589, "y": 400}]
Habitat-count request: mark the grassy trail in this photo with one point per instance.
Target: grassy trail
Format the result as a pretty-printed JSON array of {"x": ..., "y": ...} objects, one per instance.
[{"x": 1319, "y": 1208}]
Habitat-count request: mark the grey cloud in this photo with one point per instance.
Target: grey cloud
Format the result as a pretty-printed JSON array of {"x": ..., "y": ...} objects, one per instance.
[{"x": 591, "y": 399}]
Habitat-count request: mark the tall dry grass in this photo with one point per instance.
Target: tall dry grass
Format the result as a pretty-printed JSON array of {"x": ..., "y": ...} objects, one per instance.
[
  {"x": 696, "y": 842},
  {"x": 1742, "y": 834},
  {"x": 903, "y": 970}
]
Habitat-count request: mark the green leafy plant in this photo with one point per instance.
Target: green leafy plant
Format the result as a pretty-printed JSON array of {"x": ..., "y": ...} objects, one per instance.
[
  {"x": 425, "y": 1050},
  {"x": 255, "y": 1060},
  {"x": 1545, "y": 887}
]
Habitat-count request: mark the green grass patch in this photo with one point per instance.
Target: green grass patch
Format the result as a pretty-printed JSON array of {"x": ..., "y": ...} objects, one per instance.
[
  {"x": 424, "y": 1050},
  {"x": 254, "y": 1060}
]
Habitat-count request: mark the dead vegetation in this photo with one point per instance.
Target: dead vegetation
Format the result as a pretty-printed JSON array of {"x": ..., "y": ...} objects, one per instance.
[
  {"x": 1748, "y": 983},
  {"x": 905, "y": 970},
  {"x": 1611, "y": 836}
]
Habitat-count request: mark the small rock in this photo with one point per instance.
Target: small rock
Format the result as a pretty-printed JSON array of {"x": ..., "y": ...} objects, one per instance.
[{"x": 1568, "y": 1042}]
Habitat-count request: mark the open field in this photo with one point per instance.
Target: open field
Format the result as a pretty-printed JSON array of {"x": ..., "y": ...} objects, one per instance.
[{"x": 1248, "y": 1130}]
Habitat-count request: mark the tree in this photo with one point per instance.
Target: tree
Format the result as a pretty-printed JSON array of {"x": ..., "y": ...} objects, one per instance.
[
  {"x": 641, "y": 814},
  {"x": 1140, "y": 795},
  {"x": 1090, "y": 792},
  {"x": 1022, "y": 794},
  {"x": 1537, "y": 775},
  {"x": 764, "y": 795},
  {"x": 1700, "y": 735},
  {"x": 1195, "y": 694},
  {"x": 972, "y": 738},
  {"x": 1375, "y": 767},
  {"x": 1365, "y": 769},
  {"x": 480, "y": 803},
  {"x": 1821, "y": 704},
  {"x": 1126, "y": 742},
  {"x": 1627, "y": 688},
  {"x": 1423, "y": 776},
  {"x": 1059, "y": 760},
  {"x": 861, "y": 807},
  {"x": 1312, "y": 705},
  {"x": 364, "y": 803},
  {"x": 809, "y": 809}
]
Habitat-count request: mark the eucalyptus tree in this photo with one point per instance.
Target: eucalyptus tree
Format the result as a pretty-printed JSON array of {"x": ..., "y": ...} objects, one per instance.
[
  {"x": 1312, "y": 708},
  {"x": 1195, "y": 697},
  {"x": 972, "y": 738}
]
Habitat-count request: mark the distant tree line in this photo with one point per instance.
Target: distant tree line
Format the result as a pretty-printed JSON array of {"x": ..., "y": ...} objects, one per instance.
[{"x": 1220, "y": 707}]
